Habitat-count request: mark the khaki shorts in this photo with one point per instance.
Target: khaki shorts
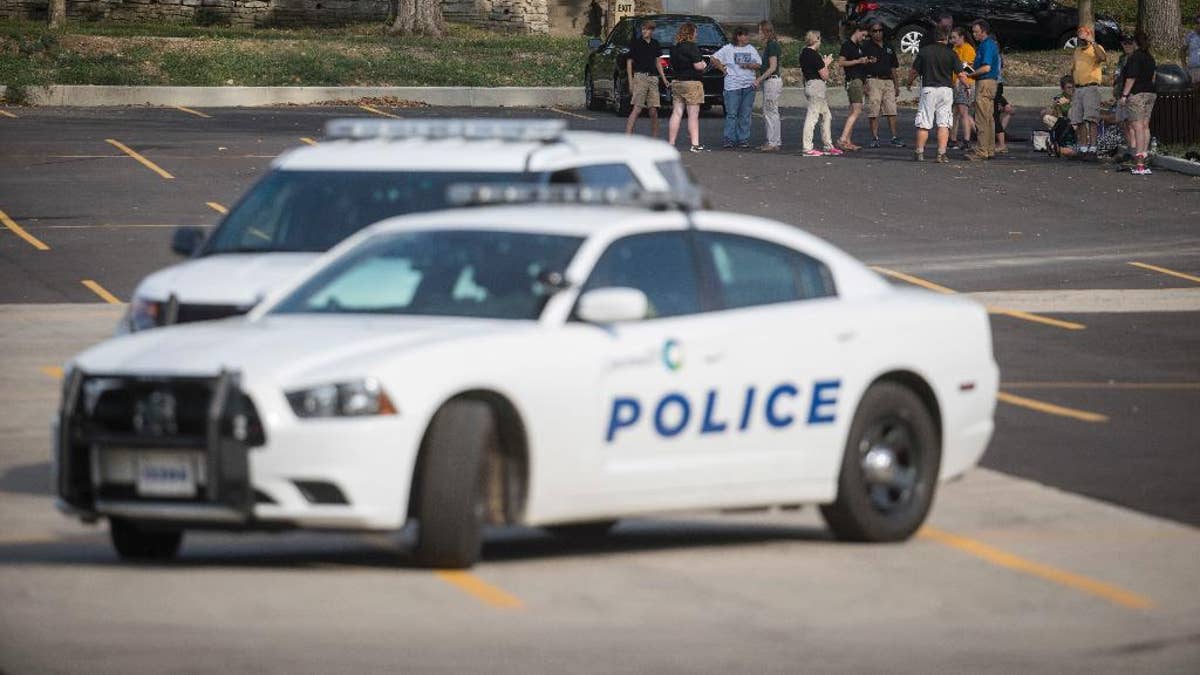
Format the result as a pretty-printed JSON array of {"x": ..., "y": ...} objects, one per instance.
[
  {"x": 854, "y": 91},
  {"x": 644, "y": 90},
  {"x": 691, "y": 92},
  {"x": 881, "y": 98},
  {"x": 1085, "y": 105},
  {"x": 1140, "y": 106}
]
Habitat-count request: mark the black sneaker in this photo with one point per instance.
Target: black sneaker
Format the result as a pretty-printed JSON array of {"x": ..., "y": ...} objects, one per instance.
[
  {"x": 727, "y": 145},
  {"x": 744, "y": 145},
  {"x": 874, "y": 143},
  {"x": 896, "y": 142}
]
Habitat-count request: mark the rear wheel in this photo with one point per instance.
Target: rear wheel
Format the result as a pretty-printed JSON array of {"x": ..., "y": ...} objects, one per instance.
[
  {"x": 889, "y": 468},
  {"x": 451, "y": 482},
  {"x": 137, "y": 542},
  {"x": 909, "y": 38}
]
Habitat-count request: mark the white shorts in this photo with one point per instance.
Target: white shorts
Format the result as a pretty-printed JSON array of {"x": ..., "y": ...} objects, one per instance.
[{"x": 935, "y": 107}]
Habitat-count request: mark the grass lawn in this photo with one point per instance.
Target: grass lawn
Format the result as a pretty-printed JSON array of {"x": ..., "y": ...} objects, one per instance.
[{"x": 363, "y": 55}]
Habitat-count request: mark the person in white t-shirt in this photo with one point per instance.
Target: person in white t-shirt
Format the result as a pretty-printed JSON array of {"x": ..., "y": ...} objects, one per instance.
[{"x": 739, "y": 61}]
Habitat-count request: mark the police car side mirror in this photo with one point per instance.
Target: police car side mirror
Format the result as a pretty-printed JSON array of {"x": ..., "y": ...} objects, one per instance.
[
  {"x": 594, "y": 44},
  {"x": 612, "y": 305},
  {"x": 187, "y": 239}
]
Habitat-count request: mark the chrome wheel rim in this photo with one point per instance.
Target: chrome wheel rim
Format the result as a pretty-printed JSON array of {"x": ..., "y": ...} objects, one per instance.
[
  {"x": 910, "y": 42},
  {"x": 889, "y": 455}
]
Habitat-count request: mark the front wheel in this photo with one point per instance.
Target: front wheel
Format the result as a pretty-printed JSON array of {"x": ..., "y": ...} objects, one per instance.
[
  {"x": 136, "y": 542},
  {"x": 889, "y": 468},
  {"x": 621, "y": 101},
  {"x": 589, "y": 93},
  {"x": 910, "y": 38}
]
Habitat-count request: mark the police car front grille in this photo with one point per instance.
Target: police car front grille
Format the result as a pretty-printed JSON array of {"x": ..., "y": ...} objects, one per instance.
[{"x": 167, "y": 412}]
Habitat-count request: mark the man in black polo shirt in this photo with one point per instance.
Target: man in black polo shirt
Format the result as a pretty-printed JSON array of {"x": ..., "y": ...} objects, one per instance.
[
  {"x": 938, "y": 66},
  {"x": 883, "y": 84},
  {"x": 645, "y": 71}
]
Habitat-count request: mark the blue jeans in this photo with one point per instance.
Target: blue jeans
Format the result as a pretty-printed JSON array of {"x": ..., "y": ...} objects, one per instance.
[{"x": 739, "y": 103}]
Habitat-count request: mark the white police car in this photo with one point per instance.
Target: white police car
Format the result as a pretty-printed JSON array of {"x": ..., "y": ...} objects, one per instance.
[
  {"x": 539, "y": 365},
  {"x": 363, "y": 171}
]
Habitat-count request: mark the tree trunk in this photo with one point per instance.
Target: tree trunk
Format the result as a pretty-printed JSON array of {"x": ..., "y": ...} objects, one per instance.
[
  {"x": 1158, "y": 24},
  {"x": 57, "y": 13},
  {"x": 1087, "y": 17},
  {"x": 418, "y": 17}
]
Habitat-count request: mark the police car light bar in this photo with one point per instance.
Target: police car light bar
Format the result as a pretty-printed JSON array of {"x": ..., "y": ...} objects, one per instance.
[
  {"x": 540, "y": 131},
  {"x": 480, "y": 194}
]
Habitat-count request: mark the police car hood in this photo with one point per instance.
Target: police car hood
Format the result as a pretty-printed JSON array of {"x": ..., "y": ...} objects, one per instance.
[
  {"x": 239, "y": 279},
  {"x": 283, "y": 349}
]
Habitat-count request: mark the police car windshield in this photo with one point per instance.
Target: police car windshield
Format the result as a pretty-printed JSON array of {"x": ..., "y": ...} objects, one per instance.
[
  {"x": 314, "y": 210},
  {"x": 483, "y": 274}
]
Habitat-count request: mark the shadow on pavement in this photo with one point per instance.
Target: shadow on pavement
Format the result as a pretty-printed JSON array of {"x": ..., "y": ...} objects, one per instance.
[{"x": 28, "y": 479}]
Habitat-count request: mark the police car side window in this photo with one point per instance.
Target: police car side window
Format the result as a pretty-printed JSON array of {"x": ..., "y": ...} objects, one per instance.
[
  {"x": 659, "y": 264},
  {"x": 752, "y": 272},
  {"x": 597, "y": 175}
]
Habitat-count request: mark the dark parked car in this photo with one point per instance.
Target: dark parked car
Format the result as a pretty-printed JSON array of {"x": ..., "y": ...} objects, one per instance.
[
  {"x": 605, "y": 83},
  {"x": 1023, "y": 23}
]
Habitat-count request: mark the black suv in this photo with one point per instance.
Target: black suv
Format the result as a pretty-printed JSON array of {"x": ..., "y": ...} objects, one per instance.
[
  {"x": 605, "y": 83},
  {"x": 1024, "y": 23}
]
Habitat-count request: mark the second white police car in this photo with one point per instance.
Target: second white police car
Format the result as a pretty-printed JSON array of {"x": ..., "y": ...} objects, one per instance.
[{"x": 542, "y": 365}]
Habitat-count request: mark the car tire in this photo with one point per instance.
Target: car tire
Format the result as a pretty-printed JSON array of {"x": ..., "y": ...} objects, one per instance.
[
  {"x": 588, "y": 530},
  {"x": 134, "y": 542},
  {"x": 889, "y": 468},
  {"x": 909, "y": 39},
  {"x": 1068, "y": 41},
  {"x": 589, "y": 93},
  {"x": 450, "y": 485},
  {"x": 621, "y": 102}
]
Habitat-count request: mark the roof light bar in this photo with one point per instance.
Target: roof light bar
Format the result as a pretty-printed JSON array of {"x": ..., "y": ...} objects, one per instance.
[
  {"x": 540, "y": 131},
  {"x": 480, "y": 194}
]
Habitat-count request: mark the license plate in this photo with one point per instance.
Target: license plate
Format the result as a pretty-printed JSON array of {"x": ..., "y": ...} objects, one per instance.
[{"x": 166, "y": 474}]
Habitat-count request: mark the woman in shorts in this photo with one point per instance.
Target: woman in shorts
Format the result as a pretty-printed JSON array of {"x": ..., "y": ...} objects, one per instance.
[
  {"x": 964, "y": 94},
  {"x": 687, "y": 91}
]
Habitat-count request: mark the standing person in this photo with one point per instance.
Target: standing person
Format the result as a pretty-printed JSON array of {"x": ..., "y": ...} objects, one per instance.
[
  {"x": 1138, "y": 98},
  {"x": 686, "y": 89},
  {"x": 645, "y": 71},
  {"x": 883, "y": 84},
  {"x": 1190, "y": 54},
  {"x": 1088, "y": 70},
  {"x": 985, "y": 73},
  {"x": 964, "y": 90},
  {"x": 739, "y": 61},
  {"x": 938, "y": 67},
  {"x": 815, "y": 69},
  {"x": 771, "y": 83},
  {"x": 854, "y": 63}
]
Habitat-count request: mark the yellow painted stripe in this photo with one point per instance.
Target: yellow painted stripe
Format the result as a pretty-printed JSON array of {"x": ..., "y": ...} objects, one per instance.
[
  {"x": 216, "y": 206},
  {"x": 308, "y": 141},
  {"x": 20, "y": 232},
  {"x": 1100, "y": 589},
  {"x": 915, "y": 281},
  {"x": 1050, "y": 408},
  {"x": 473, "y": 585},
  {"x": 377, "y": 111},
  {"x": 1036, "y": 318},
  {"x": 189, "y": 111},
  {"x": 1163, "y": 270},
  {"x": 1148, "y": 386},
  {"x": 101, "y": 291},
  {"x": 571, "y": 114},
  {"x": 5, "y": 113},
  {"x": 55, "y": 372},
  {"x": 142, "y": 160}
]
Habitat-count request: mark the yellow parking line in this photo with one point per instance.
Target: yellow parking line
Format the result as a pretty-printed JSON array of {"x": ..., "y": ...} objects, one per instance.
[
  {"x": 308, "y": 141},
  {"x": 101, "y": 291},
  {"x": 1163, "y": 270},
  {"x": 1147, "y": 386},
  {"x": 55, "y": 372},
  {"x": 473, "y": 585},
  {"x": 377, "y": 111},
  {"x": 142, "y": 160},
  {"x": 189, "y": 111},
  {"x": 20, "y": 232},
  {"x": 571, "y": 114},
  {"x": 5, "y": 113},
  {"x": 1014, "y": 313},
  {"x": 1100, "y": 589},
  {"x": 1050, "y": 408},
  {"x": 216, "y": 206}
]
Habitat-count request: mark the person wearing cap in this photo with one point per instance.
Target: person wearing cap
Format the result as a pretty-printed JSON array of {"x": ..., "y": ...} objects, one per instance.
[
  {"x": 644, "y": 71},
  {"x": 771, "y": 83},
  {"x": 1190, "y": 54},
  {"x": 1137, "y": 97},
  {"x": 1089, "y": 59}
]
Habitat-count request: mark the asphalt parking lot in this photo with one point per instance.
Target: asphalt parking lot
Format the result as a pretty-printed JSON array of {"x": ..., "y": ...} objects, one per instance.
[{"x": 1073, "y": 549}]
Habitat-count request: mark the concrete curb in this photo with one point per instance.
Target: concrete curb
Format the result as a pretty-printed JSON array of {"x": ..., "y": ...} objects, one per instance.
[
  {"x": 83, "y": 96},
  {"x": 1183, "y": 166}
]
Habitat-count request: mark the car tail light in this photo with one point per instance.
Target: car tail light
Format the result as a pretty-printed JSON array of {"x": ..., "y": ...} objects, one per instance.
[{"x": 864, "y": 7}]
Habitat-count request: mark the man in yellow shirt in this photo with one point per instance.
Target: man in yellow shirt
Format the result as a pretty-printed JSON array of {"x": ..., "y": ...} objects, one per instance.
[{"x": 1088, "y": 70}]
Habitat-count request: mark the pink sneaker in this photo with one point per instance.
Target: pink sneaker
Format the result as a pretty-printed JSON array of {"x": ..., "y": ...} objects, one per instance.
[
  {"x": 834, "y": 152},
  {"x": 813, "y": 153}
]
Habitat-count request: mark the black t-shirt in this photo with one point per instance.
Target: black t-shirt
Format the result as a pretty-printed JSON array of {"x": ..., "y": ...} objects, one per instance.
[
  {"x": 683, "y": 55},
  {"x": 811, "y": 64},
  {"x": 1140, "y": 68},
  {"x": 885, "y": 60},
  {"x": 937, "y": 65},
  {"x": 852, "y": 51},
  {"x": 644, "y": 55}
]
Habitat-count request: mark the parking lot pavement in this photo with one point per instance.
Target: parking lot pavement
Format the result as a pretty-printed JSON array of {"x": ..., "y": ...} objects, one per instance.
[{"x": 1013, "y": 574}]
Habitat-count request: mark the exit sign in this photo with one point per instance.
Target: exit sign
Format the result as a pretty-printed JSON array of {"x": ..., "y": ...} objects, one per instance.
[{"x": 622, "y": 9}]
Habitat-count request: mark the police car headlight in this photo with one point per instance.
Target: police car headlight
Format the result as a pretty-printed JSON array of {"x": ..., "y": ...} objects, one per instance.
[
  {"x": 143, "y": 314},
  {"x": 356, "y": 398}
]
